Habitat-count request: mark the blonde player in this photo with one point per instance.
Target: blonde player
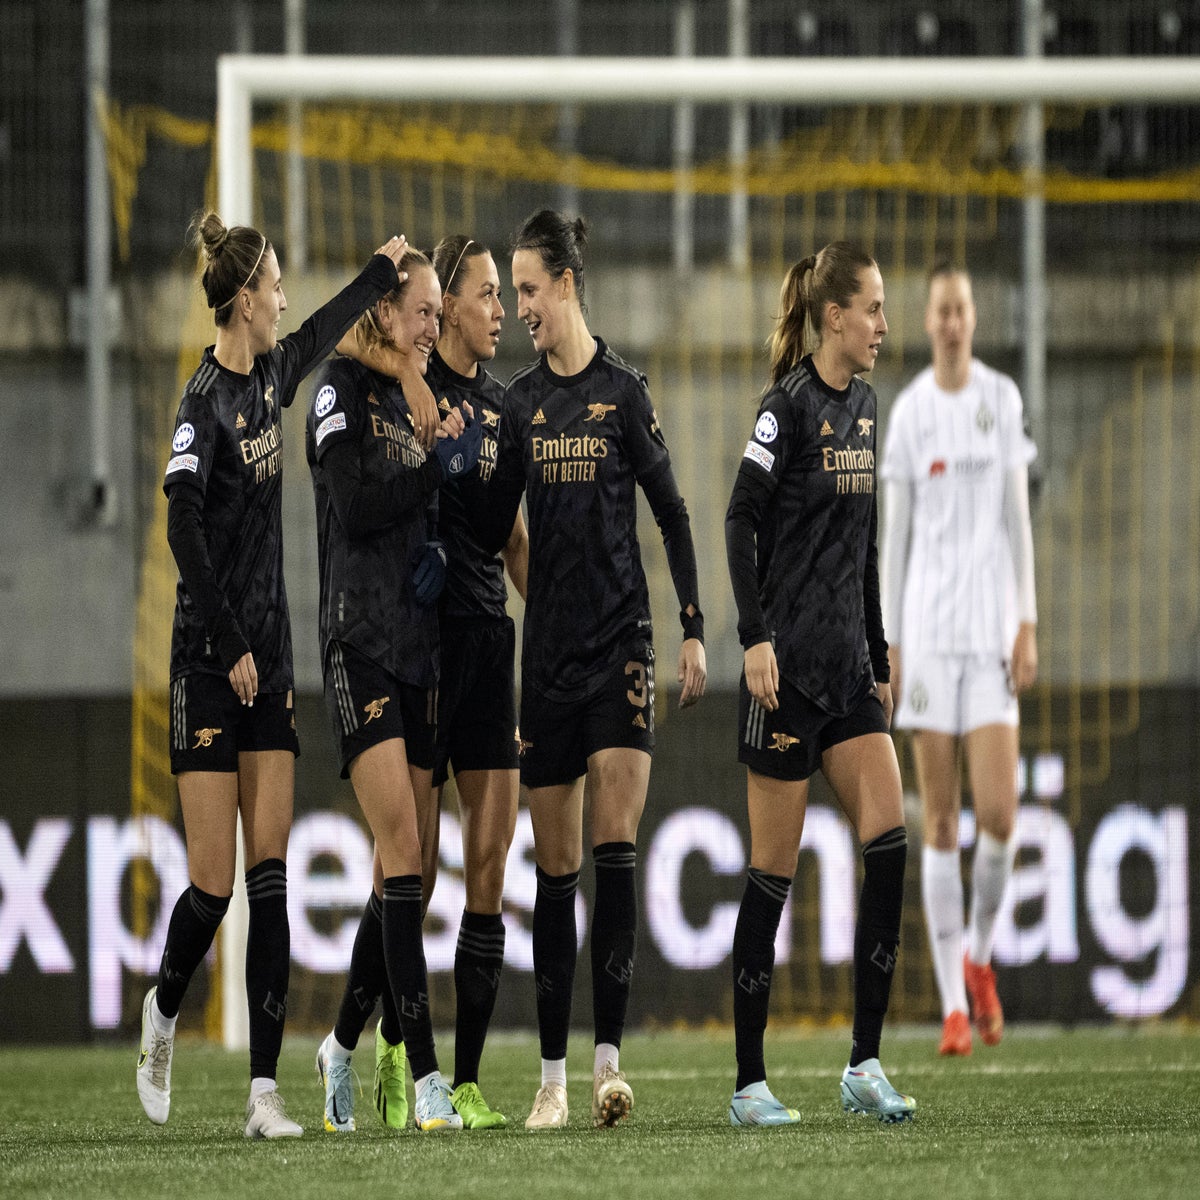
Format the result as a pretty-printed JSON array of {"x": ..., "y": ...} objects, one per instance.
[{"x": 960, "y": 612}]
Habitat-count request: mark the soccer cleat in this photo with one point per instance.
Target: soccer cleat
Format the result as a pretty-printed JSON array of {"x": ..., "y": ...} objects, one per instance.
[
  {"x": 612, "y": 1097},
  {"x": 866, "y": 1090},
  {"x": 433, "y": 1110},
  {"x": 469, "y": 1103},
  {"x": 267, "y": 1118},
  {"x": 956, "y": 1035},
  {"x": 335, "y": 1077},
  {"x": 755, "y": 1105},
  {"x": 985, "y": 1004},
  {"x": 391, "y": 1096},
  {"x": 549, "y": 1108},
  {"x": 154, "y": 1066}
]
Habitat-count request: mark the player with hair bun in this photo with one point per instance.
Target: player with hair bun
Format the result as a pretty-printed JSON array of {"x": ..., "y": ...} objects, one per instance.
[
  {"x": 958, "y": 596},
  {"x": 232, "y": 730},
  {"x": 578, "y": 435},
  {"x": 800, "y": 539}
]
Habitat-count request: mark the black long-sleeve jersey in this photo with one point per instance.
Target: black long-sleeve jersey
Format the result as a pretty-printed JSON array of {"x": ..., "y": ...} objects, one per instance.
[
  {"x": 375, "y": 491},
  {"x": 474, "y": 577},
  {"x": 577, "y": 446},
  {"x": 800, "y": 535},
  {"x": 224, "y": 484}
]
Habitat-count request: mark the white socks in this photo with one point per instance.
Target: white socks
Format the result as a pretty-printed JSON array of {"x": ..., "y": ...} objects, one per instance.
[
  {"x": 554, "y": 1070},
  {"x": 990, "y": 874},
  {"x": 259, "y": 1084},
  {"x": 606, "y": 1055},
  {"x": 942, "y": 896}
]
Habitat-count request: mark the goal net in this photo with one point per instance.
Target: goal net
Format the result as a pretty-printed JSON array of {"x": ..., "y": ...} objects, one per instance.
[{"x": 702, "y": 186}]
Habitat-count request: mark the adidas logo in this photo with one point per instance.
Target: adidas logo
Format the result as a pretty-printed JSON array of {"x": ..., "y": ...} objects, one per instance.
[
  {"x": 240, "y": 423},
  {"x": 371, "y": 399},
  {"x": 826, "y": 429},
  {"x": 640, "y": 721},
  {"x": 443, "y": 405},
  {"x": 539, "y": 418}
]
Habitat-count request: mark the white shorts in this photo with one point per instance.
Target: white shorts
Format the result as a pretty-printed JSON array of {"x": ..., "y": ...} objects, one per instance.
[{"x": 955, "y": 693}]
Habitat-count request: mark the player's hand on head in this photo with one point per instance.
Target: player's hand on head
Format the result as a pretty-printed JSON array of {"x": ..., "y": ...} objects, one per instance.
[
  {"x": 762, "y": 675},
  {"x": 244, "y": 678},
  {"x": 693, "y": 671},
  {"x": 394, "y": 249}
]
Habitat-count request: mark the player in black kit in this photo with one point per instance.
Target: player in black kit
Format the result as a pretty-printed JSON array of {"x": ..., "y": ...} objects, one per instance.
[
  {"x": 232, "y": 733},
  {"x": 800, "y": 536},
  {"x": 477, "y": 718},
  {"x": 577, "y": 435},
  {"x": 375, "y": 490}
]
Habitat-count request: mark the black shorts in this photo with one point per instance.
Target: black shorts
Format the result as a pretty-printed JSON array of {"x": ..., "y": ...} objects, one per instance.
[
  {"x": 210, "y": 724},
  {"x": 477, "y": 711},
  {"x": 788, "y": 743},
  {"x": 369, "y": 705},
  {"x": 557, "y": 739}
]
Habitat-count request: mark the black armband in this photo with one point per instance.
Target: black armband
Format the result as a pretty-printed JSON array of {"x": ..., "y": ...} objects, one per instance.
[{"x": 693, "y": 626}]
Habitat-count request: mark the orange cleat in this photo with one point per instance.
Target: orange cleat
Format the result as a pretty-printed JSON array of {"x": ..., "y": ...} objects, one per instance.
[
  {"x": 985, "y": 1004},
  {"x": 956, "y": 1035}
]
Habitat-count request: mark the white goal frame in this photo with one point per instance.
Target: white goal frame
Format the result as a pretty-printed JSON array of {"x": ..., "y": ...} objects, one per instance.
[{"x": 243, "y": 79}]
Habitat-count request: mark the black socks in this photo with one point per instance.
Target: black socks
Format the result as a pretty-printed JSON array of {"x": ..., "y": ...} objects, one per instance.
[{"x": 877, "y": 938}]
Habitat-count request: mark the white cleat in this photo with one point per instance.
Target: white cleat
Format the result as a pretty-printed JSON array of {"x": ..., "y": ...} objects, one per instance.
[
  {"x": 549, "y": 1108},
  {"x": 267, "y": 1118},
  {"x": 154, "y": 1066},
  {"x": 612, "y": 1098}
]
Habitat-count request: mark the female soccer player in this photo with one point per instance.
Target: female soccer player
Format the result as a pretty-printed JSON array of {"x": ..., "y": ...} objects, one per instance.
[
  {"x": 800, "y": 538},
  {"x": 373, "y": 485},
  {"x": 476, "y": 722},
  {"x": 578, "y": 432},
  {"x": 477, "y": 718},
  {"x": 959, "y": 598},
  {"x": 232, "y": 734}
]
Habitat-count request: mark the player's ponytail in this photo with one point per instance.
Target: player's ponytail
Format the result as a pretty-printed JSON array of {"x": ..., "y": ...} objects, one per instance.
[
  {"x": 230, "y": 260},
  {"x": 559, "y": 243},
  {"x": 829, "y": 277}
]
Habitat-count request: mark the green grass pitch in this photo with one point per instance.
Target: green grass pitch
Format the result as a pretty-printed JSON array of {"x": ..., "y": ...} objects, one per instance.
[{"x": 1084, "y": 1115}]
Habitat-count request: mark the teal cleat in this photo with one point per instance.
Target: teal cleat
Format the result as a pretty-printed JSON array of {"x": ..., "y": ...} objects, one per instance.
[
  {"x": 866, "y": 1090},
  {"x": 434, "y": 1111},
  {"x": 755, "y": 1105},
  {"x": 335, "y": 1077}
]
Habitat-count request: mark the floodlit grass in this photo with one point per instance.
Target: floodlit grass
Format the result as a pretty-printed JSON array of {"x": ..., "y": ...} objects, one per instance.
[{"x": 1046, "y": 1114}]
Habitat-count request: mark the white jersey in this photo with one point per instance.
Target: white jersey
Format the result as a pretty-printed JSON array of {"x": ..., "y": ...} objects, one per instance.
[{"x": 957, "y": 592}]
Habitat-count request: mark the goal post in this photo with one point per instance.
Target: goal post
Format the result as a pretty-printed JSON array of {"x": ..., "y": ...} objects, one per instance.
[{"x": 244, "y": 78}]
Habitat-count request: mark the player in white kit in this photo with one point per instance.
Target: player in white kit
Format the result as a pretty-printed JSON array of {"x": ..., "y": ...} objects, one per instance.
[{"x": 960, "y": 614}]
